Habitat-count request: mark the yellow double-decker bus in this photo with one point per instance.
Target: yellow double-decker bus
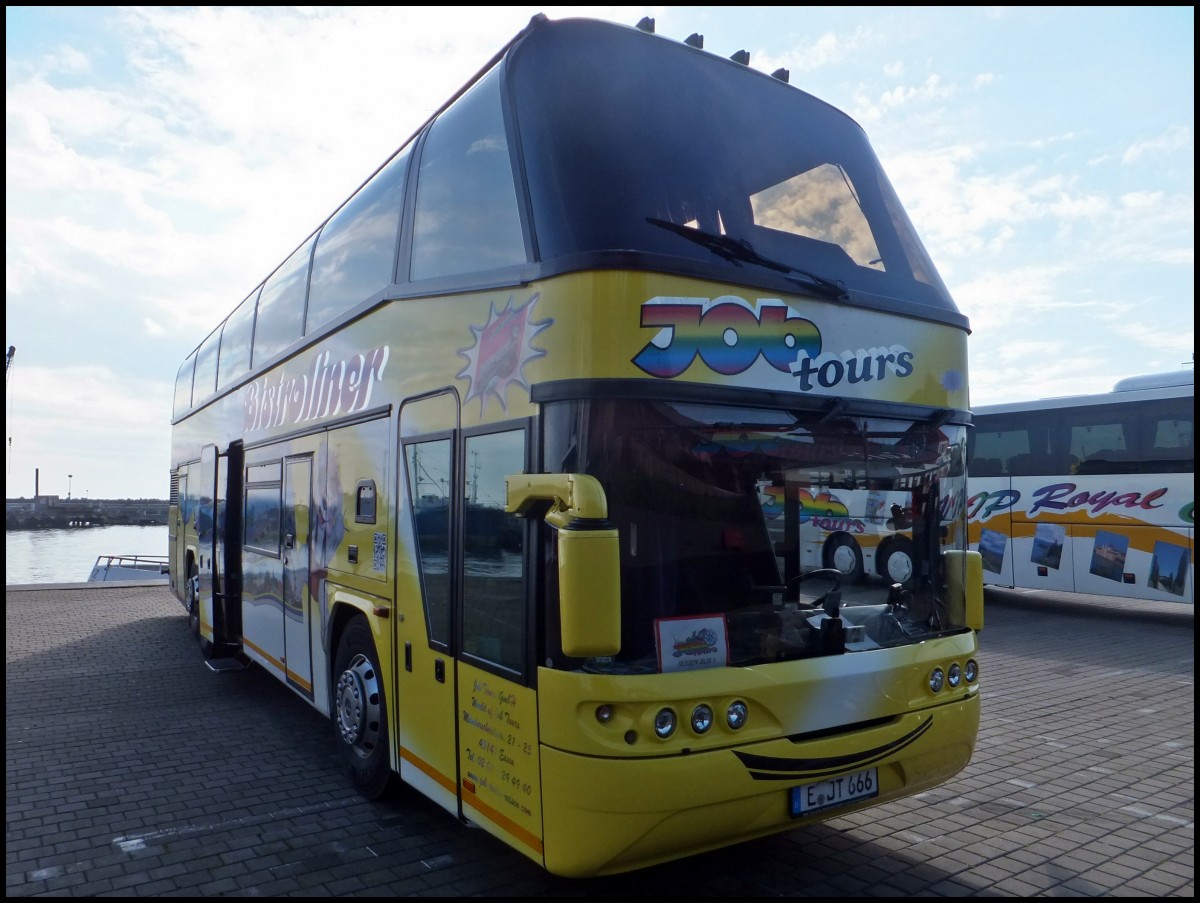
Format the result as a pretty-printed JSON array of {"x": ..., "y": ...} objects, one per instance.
[{"x": 513, "y": 468}]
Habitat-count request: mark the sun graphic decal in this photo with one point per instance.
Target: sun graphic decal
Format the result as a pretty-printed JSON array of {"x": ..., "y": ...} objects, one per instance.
[{"x": 503, "y": 346}]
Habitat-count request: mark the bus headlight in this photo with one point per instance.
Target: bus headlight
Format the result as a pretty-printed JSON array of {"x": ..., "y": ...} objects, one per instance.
[
  {"x": 937, "y": 680},
  {"x": 972, "y": 671},
  {"x": 735, "y": 715},
  {"x": 664, "y": 724},
  {"x": 702, "y": 718}
]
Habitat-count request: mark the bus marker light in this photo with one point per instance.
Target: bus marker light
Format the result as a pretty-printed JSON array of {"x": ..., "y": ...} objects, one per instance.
[
  {"x": 604, "y": 713},
  {"x": 736, "y": 714},
  {"x": 937, "y": 680}
]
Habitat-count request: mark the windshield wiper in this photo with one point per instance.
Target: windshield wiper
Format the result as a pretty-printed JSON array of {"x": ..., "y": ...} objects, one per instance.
[{"x": 738, "y": 250}]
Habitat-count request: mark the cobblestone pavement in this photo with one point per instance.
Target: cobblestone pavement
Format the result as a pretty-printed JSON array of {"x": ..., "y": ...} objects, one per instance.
[{"x": 131, "y": 769}]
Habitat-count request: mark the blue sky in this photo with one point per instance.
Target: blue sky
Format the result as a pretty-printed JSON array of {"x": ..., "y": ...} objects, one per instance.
[{"x": 161, "y": 161}]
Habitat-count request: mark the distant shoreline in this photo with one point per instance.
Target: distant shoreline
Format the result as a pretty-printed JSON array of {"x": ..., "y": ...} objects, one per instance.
[{"x": 50, "y": 512}]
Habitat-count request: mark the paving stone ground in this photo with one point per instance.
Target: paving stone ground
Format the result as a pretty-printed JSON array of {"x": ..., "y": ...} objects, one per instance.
[{"x": 131, "y": 769}]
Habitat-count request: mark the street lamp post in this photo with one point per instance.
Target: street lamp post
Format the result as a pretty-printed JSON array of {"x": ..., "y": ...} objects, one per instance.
[{"x": 70, "y": 477}]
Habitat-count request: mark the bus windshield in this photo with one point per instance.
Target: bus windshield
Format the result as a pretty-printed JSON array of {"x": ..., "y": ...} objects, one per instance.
[
  {"x": 718, "y": 151},
  {"x": 772, "y": 521}
]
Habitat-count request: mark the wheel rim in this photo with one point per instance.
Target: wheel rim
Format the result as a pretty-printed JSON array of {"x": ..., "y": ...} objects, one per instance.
[
  {"x": 845, "y": 560},
  {"x": 358, "y": 715},
  {"x": 899, "y": 566}
]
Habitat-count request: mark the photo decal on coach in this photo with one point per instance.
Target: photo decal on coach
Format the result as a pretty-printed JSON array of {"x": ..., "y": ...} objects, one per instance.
[
  {"x": 992, "y": 545},
  {"x": 1169, "y": 569},
  {"x": 1108, "y": 555}
]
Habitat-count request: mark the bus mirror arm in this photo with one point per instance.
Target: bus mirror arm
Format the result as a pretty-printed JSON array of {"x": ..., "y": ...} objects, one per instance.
[
  {"x": 589, "y": 564},
  {"x": 571, "y": 496}
]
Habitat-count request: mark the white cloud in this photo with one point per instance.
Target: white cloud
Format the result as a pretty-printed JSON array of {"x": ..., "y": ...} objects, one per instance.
[{"x": 1175, "y": 139}]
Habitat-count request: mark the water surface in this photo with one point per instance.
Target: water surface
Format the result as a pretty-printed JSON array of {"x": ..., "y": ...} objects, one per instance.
[{"x": 67, "y": 555}]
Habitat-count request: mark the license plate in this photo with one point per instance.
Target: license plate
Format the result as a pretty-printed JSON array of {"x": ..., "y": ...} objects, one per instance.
[{"x": 820, "y": 795}]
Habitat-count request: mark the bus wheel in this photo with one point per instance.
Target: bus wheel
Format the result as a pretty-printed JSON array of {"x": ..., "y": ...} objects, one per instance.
[
  {"x": 844, "y": 554},
  {"x": 896, "y": 561},
  {"x": 359, "y": 714}
]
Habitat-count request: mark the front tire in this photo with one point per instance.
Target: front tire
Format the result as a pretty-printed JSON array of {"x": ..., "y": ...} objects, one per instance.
[{"x": 359, "y": 713}]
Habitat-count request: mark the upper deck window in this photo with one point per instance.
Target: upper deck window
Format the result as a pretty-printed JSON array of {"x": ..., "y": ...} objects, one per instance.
[
  {"x": 206, "y": 368},
  {"x": 634, "y": 142},
  {"x": 183, "y": 386},
  {"x": 356, "y": 251},
  {"x": 235, "y": 342},
  {"x": 466, "y": 216},
  {"x": 281, "y": 306}
]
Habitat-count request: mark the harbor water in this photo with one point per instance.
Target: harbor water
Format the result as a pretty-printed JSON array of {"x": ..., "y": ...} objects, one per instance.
[{"x": 67, "y": 555}]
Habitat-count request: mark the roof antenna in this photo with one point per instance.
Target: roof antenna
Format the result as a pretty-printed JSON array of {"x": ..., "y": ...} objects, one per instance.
[
  {"x": 646, "y": 25},
  {"x": 742, "y": 56},
  {"x": 695, "y": 40},
  {"x": 781, "y": 74}
]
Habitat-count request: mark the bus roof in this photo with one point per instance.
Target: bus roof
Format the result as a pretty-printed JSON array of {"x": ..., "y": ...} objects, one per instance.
[
  {"x": 1157, "y": 381},
  {"x": 1179, "y": 384}
]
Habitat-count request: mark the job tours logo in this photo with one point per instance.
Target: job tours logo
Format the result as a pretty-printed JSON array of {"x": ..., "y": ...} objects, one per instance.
[{"x": 729, "y": 334}]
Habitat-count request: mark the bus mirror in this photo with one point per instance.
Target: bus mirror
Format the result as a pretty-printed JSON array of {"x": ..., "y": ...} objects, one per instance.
[
  {"x": 589, "y": 592},
  {"x": 589, "y": 565},
  {"x": 964, "y": 587}
]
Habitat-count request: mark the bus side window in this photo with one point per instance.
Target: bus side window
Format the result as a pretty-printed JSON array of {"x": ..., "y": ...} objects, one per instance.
[
  {"x": 1106, "y": 460},
  {"x": 183, "y": 386},
  {"x": 356, "y": 250},
  {"x": 494, "y": 610},
  {"x": 1046, "y": 465},
  {"x": 466, "y": 217},
  {"x": 234, "y": 360},
  {"x": 429, "y": 465},
  {"x": 281, "y": 306},
  {"x": 206, "y": 368},
  {"x": 986, "y": 467}
]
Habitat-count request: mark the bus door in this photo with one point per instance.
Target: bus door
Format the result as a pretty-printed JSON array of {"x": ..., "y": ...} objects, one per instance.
[
  {"x": 297, "y": 602},
  {"x": 277, "y": 608},
  {"x": 228, "y": 601},
  {"x": 499, "y": 768},
  {"x": 178, "y": 536},
  {"x": 424, "y": 694},
  {"x": 204, "y": 570},
  {"x": 468, "y": 716}
]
